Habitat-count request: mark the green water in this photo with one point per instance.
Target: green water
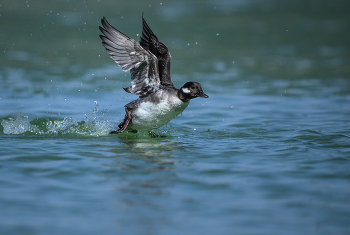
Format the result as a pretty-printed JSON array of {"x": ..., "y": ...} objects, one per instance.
[{"x": 267, "y": 153}]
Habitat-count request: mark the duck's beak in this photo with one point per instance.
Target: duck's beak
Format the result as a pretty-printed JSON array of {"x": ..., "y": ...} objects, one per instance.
[{"x": 202, "y": 94}]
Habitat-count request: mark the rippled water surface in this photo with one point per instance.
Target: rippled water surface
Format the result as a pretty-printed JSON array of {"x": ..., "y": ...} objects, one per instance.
[{"x": 267, "y": 153}]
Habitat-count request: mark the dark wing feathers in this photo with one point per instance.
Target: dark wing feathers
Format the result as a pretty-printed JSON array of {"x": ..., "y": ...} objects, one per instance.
[
  {"x": 129, "y": 55},
  {"x": 150, "y": 42}
]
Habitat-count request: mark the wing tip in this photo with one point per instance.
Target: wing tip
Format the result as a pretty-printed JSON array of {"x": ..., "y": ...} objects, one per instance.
[{"x": 127, "y": 89}]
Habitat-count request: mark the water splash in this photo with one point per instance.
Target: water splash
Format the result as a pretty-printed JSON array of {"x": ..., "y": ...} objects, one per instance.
[
  {"x": 94, "y": 125},
  {"x": 19, "y": 125}
]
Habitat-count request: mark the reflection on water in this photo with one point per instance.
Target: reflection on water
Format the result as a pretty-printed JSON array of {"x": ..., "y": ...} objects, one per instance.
[
  {"x": 152, "y": 159},
  {"x": 156, "y": 150}
]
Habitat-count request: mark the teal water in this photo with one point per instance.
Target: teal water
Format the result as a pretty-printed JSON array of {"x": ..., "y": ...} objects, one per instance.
[{"x": 267, "y": 153}]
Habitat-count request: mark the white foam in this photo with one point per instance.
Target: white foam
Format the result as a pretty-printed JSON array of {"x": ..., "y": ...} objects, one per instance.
[
  {"x": 94, "y": 125},
  {"x": 19, "y": 125}
]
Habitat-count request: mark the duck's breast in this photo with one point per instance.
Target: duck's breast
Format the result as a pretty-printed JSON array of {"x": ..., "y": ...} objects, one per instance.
[{"x": 150, "y": 115}]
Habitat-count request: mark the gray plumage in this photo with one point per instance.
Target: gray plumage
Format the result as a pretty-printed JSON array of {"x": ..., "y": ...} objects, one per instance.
[{"x": 129, "y": 55}]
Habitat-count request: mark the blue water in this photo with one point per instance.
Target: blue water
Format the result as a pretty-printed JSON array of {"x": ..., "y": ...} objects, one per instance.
[{"x": 267, "y": 153}]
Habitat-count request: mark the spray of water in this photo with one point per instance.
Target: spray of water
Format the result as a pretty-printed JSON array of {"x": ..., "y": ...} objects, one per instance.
[{"x": 93, "y": 125}]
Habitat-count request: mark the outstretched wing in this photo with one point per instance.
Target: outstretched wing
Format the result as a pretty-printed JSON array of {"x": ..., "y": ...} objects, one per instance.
[
  {"x": 129, "y": 55},
  {"x": 150, "y": 42}
]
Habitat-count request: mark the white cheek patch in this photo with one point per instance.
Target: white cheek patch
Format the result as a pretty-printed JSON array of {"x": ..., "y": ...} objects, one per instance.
[{"x": 185, "y": 90}]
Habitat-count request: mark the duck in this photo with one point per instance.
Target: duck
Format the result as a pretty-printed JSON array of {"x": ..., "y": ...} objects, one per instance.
[{"x": 149, "y": 65}]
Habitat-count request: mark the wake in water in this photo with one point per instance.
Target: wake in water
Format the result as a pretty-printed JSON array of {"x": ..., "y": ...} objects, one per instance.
[{"x": 93, "y": 125}]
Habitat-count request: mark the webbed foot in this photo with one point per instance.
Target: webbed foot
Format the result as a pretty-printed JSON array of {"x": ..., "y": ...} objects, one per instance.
[
  {"x": 122, "y": 126},
  {"x": 154, "y": 135}
]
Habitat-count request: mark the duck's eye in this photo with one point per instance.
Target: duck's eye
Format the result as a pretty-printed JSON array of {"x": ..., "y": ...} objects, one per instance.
[{"x": 192, "y": 87}]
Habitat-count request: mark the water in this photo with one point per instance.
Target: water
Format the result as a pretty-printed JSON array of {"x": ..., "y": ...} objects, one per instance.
[{"x": 268, "y": 152}]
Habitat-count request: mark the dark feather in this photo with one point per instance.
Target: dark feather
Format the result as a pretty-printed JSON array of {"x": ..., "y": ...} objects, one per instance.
[{"x": 150, "y": 42}]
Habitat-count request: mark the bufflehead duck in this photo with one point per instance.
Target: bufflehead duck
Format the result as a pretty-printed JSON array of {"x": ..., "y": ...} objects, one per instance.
[{"x": 149, "y": 65}]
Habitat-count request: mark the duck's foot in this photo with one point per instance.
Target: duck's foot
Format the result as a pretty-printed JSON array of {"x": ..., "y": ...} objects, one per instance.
[
  {"x": 122, "y": 126},
  {"x": 154, "y": 135},
  {"x": 129, "y": 131}
]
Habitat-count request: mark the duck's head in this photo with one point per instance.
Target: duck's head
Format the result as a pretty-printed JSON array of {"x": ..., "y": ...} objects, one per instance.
[{"x": 191, "y": 90}]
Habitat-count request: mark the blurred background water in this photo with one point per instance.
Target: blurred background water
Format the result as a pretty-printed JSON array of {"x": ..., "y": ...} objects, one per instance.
[{"x": 267, "y": 153}]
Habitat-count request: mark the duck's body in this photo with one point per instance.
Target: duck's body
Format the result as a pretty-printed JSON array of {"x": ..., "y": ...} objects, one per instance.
[
  {"x": 155, "y": 110},
  {"x": 149, "y": 65}
]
